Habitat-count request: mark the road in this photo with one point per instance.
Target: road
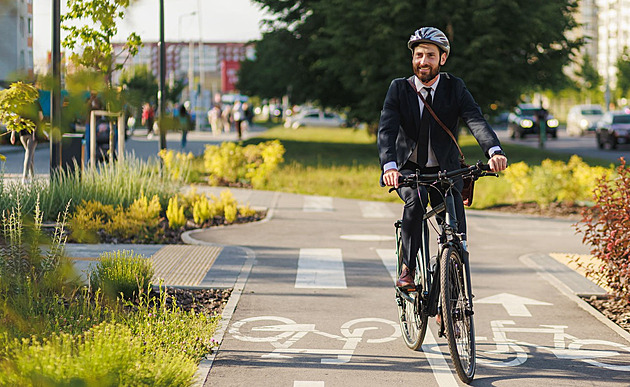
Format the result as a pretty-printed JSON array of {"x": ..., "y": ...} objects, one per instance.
[
  {"x": 318, "y": 308},
  {"x": 585, "y": 146}
]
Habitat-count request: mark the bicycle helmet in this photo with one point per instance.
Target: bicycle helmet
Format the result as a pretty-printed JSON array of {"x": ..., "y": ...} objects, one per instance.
[{"x": 429, "y": 35}]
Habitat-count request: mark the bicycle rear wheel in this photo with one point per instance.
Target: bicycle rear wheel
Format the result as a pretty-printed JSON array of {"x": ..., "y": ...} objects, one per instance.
[
  {"x": 457, "y": 314},
  {"x": 413, "y": 322}
]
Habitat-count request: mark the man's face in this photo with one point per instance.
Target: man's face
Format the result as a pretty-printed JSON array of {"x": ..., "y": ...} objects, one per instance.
[{"x": 426, "y": 61}]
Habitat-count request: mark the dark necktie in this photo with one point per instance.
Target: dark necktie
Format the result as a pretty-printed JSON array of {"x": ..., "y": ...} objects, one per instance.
[{"x": 423, "y": 138}]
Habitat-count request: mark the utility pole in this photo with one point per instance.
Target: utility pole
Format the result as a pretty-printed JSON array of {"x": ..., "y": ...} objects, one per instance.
[
  {"x": 55, "y": 100},
  {"x": 162, "y": 92}
]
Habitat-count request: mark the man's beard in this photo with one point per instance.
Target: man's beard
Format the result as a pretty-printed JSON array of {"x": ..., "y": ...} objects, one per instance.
[{"x": 433, "y": 72}]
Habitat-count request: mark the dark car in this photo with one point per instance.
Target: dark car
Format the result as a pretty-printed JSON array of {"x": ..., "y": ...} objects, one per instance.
[
  {"x": 525, "y": 120},
  {"x": 613, "y": 129}
]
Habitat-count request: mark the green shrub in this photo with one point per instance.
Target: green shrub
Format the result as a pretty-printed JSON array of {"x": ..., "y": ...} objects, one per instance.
[
  {"x": 605, "y": 227},
  {"x": 232, "y": 164},
  {"x": 119, "y": 183},
  {"x": 122, "y": 272},
  {"x": 107, "y": 355}
]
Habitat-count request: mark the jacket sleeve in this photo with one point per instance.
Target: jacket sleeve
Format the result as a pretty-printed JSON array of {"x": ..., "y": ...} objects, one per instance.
[
  {"x": 388, "y": 126},
  {"x": 471, "y": 114}
]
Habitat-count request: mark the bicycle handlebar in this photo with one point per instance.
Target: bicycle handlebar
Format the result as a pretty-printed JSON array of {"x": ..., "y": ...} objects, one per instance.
[{"x": 476, "y": 170}]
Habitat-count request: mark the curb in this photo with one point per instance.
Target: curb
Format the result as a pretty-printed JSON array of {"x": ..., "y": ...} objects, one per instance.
[
  {"x": 570, "y": 293},
  {"x": 205, "y": 365}
]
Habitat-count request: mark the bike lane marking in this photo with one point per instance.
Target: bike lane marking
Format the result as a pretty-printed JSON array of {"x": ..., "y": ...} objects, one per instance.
[
  {"x": 283, "y": 336},
  {"x": 320, "y": 269},
  {"x": 514, "y": 305},
  {"x": 375, "y": 210},
  {"x": 430, "y": 348},
  {"x": 318, "y": 204}
]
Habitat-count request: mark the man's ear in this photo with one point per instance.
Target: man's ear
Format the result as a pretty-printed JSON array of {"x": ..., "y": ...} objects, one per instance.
[{"x": 443, "y": 59}]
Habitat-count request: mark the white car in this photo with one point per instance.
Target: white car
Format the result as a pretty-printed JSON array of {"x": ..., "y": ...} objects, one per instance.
[
  {"x": 314, "y": 118},
  {"x": 583, "y": 118}
]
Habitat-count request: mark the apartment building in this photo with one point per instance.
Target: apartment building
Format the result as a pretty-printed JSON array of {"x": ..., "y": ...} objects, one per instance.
[{"x": 16, "y": 45}]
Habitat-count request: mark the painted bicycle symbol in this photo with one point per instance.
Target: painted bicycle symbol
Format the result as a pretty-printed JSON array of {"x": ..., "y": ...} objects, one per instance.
[
  {"x": 511, "y": 352},
  {"x": 282, "y": 333}
]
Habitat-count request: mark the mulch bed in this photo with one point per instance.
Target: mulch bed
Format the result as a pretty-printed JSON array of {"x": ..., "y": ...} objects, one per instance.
[
  {"x": 166, "y": 235},
  {"x": 615, "y": 309},
  {"x": 554, "y": 210},
  {"x": 206, "y": 301}
]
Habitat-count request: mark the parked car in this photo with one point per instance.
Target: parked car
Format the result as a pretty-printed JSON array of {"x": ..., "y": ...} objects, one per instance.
[
  {"x": 314, "y": 118},
  {"x": 524, "y": 120},
  {"x": 613, "y": 129},
  {"x": 583, "y": 118}
]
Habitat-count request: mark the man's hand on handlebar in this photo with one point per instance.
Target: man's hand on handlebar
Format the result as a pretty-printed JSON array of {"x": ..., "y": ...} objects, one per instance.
[
  {"x": 391, "y": 178},
  {"x": 498, "y": 163}
]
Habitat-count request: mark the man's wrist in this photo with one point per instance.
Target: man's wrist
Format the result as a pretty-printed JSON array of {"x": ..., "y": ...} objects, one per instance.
[
  {"x": 390, "y": 165},
  {"x": 498, "y": 152}
]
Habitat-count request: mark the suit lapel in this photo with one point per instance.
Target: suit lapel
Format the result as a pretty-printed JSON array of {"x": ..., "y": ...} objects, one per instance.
[{"x": 414, "y": 104}]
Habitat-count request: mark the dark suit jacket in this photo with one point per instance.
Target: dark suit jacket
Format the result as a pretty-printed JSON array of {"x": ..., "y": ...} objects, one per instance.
[{"x": 399, "y": 124}]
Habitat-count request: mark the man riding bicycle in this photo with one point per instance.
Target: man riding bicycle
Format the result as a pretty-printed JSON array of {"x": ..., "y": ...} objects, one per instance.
[{"x": 410, "y": 138}]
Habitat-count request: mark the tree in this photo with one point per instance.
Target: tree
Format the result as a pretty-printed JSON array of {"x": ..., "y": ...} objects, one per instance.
[
  {"x": 17, "y": 111},
  {"x": 623, "y": 73},
  {"x": 139, "y": 86},
  {"x": 347, "y": 52},
  {"x": 588, "y": 79},
  {"x": 91, "y": 25}
]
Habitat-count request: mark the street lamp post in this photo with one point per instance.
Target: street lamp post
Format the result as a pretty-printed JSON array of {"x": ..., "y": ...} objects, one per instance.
[
  {"x": 161, "y": 94},
  {"x": 55, "y": 100}
]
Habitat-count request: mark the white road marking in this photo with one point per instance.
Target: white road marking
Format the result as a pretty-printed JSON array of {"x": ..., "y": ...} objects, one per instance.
[
  {"x": 375, "y": 210},
  {"x": 441, "y": 370},
  {"x": 430, "y": 348},
  {"x": 318, "y": 204},
  {"x": 308, "y": 383},
  {"x": 514, "y": 305},
  {"x": 321, "y": 269},
  {"x": 368, "y": 238},
  {"x": 388, "y": 256}
]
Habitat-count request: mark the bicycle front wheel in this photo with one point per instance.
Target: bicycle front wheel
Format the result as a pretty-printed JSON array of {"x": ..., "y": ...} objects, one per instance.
[
  {"x": 413, "y": 322},
  {"x": 457, "y": 314}
]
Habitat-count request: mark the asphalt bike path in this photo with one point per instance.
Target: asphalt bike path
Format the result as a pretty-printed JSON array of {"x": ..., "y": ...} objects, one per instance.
[{"x": 317, "y": 305}]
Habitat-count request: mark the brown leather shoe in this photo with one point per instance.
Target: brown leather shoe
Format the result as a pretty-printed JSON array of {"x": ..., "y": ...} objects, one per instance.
[{"x": 405, "y": 281}]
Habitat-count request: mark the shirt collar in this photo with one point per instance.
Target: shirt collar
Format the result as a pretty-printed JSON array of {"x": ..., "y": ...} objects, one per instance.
[{"x": 420, "y": 85}]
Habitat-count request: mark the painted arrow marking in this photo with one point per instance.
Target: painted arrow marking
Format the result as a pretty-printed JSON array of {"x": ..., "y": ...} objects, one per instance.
[{"x": 514, "y": 305}]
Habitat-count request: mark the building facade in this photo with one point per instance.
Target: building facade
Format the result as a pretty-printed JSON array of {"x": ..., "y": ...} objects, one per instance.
[
  {"x": 210, "y": 67},
  {"x": 16, "y": 43}
]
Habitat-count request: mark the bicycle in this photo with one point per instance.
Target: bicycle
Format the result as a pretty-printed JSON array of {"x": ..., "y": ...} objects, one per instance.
[{"x": 445, "y": 281}]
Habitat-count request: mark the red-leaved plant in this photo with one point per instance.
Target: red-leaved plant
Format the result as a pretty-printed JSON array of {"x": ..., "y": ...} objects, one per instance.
[{"x": 606, "y": 228}]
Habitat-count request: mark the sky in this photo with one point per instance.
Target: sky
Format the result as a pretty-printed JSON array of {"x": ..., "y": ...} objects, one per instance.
[{"x": 216, "y": 20}]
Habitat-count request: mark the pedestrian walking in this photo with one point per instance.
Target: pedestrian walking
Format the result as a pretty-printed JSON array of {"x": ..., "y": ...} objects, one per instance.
[
  {"x": 29, "y": 140},
  {"x": 238, "y": 116},
  {"x": 148, "y": 117},
  {"x": 226, "y": 116},
  {"x": 215, "y": 120},
  {"x": 185, "y": 124}
]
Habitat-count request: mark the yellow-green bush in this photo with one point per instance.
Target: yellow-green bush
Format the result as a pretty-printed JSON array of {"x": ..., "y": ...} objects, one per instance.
[
  {"x": 175, "y": 213},
  {"x": 230, "y": 163},
  {"x": 136, "y": 222},
  {"x": 177, "y": 165},
  {"x": 554, "y": 181}
]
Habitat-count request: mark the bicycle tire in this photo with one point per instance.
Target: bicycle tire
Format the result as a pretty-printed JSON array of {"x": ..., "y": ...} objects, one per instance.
[
  {"x": 458, "y": 320},
  {"x": 413, "y": 322}
]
